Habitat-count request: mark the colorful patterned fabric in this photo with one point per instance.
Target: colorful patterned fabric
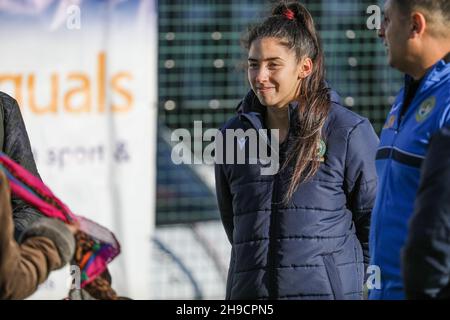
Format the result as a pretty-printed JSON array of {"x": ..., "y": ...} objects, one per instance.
[{"x": 96, "y": 245}]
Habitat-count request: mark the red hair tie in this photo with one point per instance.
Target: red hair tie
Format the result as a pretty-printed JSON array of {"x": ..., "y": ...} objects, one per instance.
[{"x": 289, "y": 14}]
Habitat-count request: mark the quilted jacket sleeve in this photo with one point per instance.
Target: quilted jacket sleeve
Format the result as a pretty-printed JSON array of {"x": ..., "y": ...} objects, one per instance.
[
  {"x": 223, "y": 193},
  {"x": 361, "y": 180}
]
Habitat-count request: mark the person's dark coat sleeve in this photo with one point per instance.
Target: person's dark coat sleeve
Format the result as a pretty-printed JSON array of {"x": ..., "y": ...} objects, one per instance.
[
  {"x": 361, "y": 180},
  {"x": 426, "y": 255},
  {"x": 17, "y": 147},
  {"x": 224, "y": 200},
  {"x": 223, "y": 193}
]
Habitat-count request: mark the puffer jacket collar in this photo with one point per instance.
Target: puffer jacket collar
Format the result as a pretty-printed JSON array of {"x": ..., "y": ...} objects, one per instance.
[{"x": 253, "y": 111}]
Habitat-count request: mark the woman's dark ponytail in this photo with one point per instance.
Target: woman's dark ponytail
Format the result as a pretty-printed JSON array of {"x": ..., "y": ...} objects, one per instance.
[{"x": 293, "y": 24}]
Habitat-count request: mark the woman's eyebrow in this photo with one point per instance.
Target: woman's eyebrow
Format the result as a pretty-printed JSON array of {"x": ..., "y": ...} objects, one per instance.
[{"x": 267, "y": 59}]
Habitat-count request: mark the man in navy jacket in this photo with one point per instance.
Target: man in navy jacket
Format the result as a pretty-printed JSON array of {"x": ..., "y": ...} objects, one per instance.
[{"x": 426, "y": 256}]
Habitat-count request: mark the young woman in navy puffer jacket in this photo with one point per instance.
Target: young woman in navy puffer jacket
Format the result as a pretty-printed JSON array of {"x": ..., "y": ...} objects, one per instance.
[{"x": 302, "y": 232}]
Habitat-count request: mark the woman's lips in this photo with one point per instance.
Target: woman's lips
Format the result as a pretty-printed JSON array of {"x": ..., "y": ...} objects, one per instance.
[{"x": 265, "y": 89}]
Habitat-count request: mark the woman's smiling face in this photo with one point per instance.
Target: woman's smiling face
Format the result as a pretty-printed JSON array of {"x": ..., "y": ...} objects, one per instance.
[{"x": 273, "y": 72}]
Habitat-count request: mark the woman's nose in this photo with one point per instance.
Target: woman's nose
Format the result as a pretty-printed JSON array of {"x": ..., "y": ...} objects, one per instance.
[{"x": 261, "y": 75}]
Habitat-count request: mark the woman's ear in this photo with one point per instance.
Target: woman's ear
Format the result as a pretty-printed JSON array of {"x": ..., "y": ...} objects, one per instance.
[{"x": 305, "y": 68}]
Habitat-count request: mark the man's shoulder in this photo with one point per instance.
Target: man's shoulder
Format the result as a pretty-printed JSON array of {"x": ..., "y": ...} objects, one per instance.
[{"x": 438, "y": 88}]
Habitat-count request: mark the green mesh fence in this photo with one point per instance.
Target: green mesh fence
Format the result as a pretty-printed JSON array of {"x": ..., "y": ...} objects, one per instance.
[{"x": 202, "y": 77}]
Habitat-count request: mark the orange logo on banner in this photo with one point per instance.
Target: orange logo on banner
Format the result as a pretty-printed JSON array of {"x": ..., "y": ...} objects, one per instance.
[{"x": 81, "y": 91}]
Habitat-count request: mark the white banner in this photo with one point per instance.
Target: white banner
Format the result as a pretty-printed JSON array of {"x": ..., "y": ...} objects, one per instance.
[{"x": 84, "y": 74}]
